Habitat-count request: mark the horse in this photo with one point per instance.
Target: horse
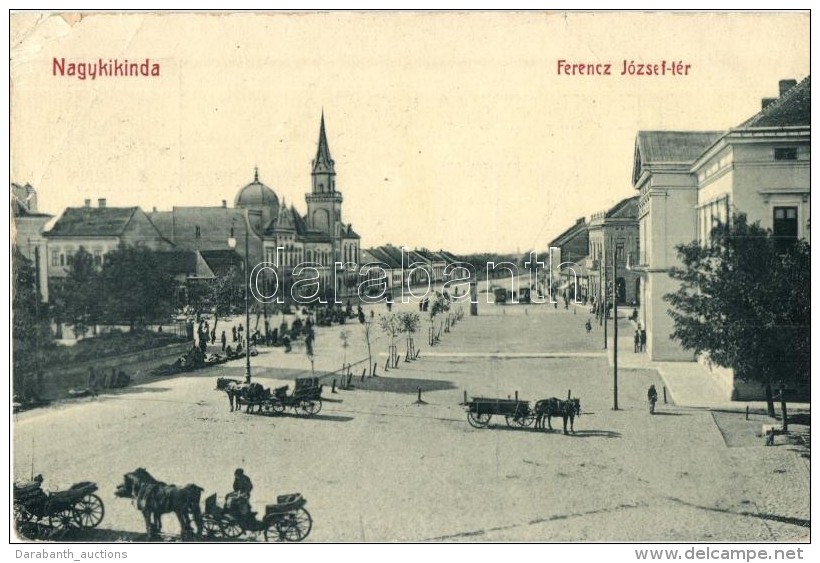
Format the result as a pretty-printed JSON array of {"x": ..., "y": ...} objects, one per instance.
[
  {"x": 252, "y": 394},
  {"x": 547, "y": 408},
  {"x": 155, "y": 498},
  {"x": 232, "y": 387}
]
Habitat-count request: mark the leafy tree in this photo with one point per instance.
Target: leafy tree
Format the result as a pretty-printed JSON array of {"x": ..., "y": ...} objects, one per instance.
[
  {"x": 137, "y": 287},
  {"x": 409, "y": 324},
  {"x": 391, "y": 326},
  {"x": 29, "y": 326},
  {"x": 79, "y": 294},
  {"x": 745, "y": 301}
]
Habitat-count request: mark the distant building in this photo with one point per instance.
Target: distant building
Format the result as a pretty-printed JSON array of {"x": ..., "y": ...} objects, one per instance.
[
  {"x": 277, "y": 233},
  {"x": 613, "y": 234},
  {"x": 98, "y": 230},
  {"x": 27, "y": 232},
  {"x": 567, "y": 253}
]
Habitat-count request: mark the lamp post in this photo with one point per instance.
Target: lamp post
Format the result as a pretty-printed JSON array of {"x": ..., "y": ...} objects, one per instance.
[
  {"x": 615, "y": 327},
  {"x": 232, "y": 245}
]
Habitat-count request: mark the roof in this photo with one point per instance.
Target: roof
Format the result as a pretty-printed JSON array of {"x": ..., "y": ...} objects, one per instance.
[
  {"x": 178, "y": 261},
  {"x": 578, "y": 228},
  {"x": 380, "y": 255},
  {"x": 348, "y": 232},
  {"x": 256, "y": 194},
  {"x": 92, "y": 222},
  {"x": 24, "y": 201},
  {"x": 670, "y": 147},
  {"x": 222, "y": 261},
  {"x": 673, "y": 146},
  {"x": 792, "y": 109},
  {"x": 214, "y": 224},
  {"x": 627, "y": 208},
  {"x": 323, "y": 162}
]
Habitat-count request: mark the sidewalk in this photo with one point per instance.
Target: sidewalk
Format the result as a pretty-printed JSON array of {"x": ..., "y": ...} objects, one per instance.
[{"x": 687, "y": 383}]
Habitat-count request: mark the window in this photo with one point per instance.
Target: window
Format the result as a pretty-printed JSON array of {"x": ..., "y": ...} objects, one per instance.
[
  {"x": 619, "y": 252},
  {"x": 98, "y": 257},
  {"x": 198, "y": 232},
  {"x": 69, "y": 259},
  {"x": 784, "y": 226},
  {"x": 55, "y": 257},
  {"x": 788, "y": 153},
  {"x": 231, "y": 232},
  {"x": 62, "y": 259}
]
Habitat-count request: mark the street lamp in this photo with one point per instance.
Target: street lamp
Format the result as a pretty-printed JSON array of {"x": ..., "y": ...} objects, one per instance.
[{"x": 232, "y": 245}]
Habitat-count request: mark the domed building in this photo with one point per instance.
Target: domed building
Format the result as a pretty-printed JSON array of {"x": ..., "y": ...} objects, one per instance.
[
  {"x": 260, "y": 201},
  {"x": 277, "y": 233}
]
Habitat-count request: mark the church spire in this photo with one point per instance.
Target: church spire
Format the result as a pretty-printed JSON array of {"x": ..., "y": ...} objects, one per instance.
[{"x": 323, "y": 162}]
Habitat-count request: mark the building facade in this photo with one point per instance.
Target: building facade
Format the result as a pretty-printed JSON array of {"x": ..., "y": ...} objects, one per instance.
[
  {"x": 613, "y": 235},
  {"x": 690, "y": 180}
]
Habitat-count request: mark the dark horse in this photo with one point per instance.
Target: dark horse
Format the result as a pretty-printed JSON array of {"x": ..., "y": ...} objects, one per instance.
[
  {"x": 232, "y": 387},
  {"x": 547, "y": 408},
  {"x": 155, "y": 498}
]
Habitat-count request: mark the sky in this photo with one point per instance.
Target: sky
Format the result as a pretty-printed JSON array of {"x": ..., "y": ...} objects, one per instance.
[{"x": 449, "y": 130}]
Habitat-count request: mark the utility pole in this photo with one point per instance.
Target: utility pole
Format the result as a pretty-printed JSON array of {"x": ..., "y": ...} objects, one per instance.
[
  {"x": 247, "y": 311},
  {"x": 615, "y": 328}
]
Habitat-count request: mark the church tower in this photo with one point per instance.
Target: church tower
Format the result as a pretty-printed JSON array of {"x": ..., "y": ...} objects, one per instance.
[{"x": 324, "y": 202}]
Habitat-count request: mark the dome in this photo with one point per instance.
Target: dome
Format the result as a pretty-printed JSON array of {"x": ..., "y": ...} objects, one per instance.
[{"x": 256, "y": 194}]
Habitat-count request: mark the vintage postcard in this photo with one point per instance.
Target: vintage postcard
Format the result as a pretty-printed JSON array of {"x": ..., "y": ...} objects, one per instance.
[{"x": 410, "y": 277}]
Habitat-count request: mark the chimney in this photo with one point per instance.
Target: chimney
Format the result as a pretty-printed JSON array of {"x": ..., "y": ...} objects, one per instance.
[
  {"x": 785, "y": 85},
  {"x": 224, "y": 203},
  {"x": 88, "y": 203},
  {"x": 766, "y": 102},
  {"x": 155, "y": 209},
  {"x": 101, "y": 202}
]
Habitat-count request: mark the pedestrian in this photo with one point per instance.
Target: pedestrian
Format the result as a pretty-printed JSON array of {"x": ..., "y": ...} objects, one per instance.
[
  {"x": 637, "y": 340},
  {"x": 588, "y": 326},
  {"x": 643, "y": 340},
  {"x": 233, "y": 332},
  {"x": 224, "y": 340},
  {"x": 213, "y": 335},
  {"x": 372, "y": 314},
  {"x": 240, "y": 330}
]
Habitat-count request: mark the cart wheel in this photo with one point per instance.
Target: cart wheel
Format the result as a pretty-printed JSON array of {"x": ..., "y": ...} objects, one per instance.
[
  {"x": 310, "y": 406},
  {"x": 271, "y": 532},
  {"x": 211, "y": 528},
  {"x": 525, "y": 420},
  {"x": 478, "y": 420},
  {"x": 277, "y": 408},
  {"x": 89, "y": 511},
  {"x": 21, "y": 515},
  {"x": 65, "y": 519},
  {"x": 302, "y": 520},
  {"x": 231, "y": 528}
]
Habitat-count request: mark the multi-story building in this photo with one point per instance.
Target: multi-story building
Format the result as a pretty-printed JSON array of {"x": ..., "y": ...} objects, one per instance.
[
  {"x": 689, "y": 180},
  {"x": 613, "y": 235}
]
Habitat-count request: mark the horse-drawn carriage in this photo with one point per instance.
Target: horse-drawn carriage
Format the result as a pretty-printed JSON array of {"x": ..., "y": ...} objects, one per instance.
[
  {"x": 288, "y": 520},
  {"x": 306, "y": 398},
  {"x": 38, "y": 514},
  {"x": 518, "y": 413}
]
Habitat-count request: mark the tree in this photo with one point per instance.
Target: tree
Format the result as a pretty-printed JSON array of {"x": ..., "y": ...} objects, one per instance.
[
  {"x": 29, "y": 327},
  {"x": 409, "y": 323},
  {"x": 391, "y": 326},
  {"x": 136, "y": 286},
  {"x": 79, "y": 295},
  {"x": 367, "y": 326},
  {"x": 745, "y": 301}
]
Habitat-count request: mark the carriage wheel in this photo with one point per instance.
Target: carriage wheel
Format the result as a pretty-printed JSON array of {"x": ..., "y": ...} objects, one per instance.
[
  {"x": 272, "y": 533},
  {"x": 524, "y": 420},
  {"x": 310, "y": 406},
  {"x": 21, "y": 515},
  {"x": 89, "y": 511},
  {"x": 478, "y": 420},
  {"x": 65, "y": 519},
  {"x": 302, "y": 521},
  {"x": 231, "y": 528},
  {"x": 277, "y": 407},
  {"x": 211, "y": 528}
]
